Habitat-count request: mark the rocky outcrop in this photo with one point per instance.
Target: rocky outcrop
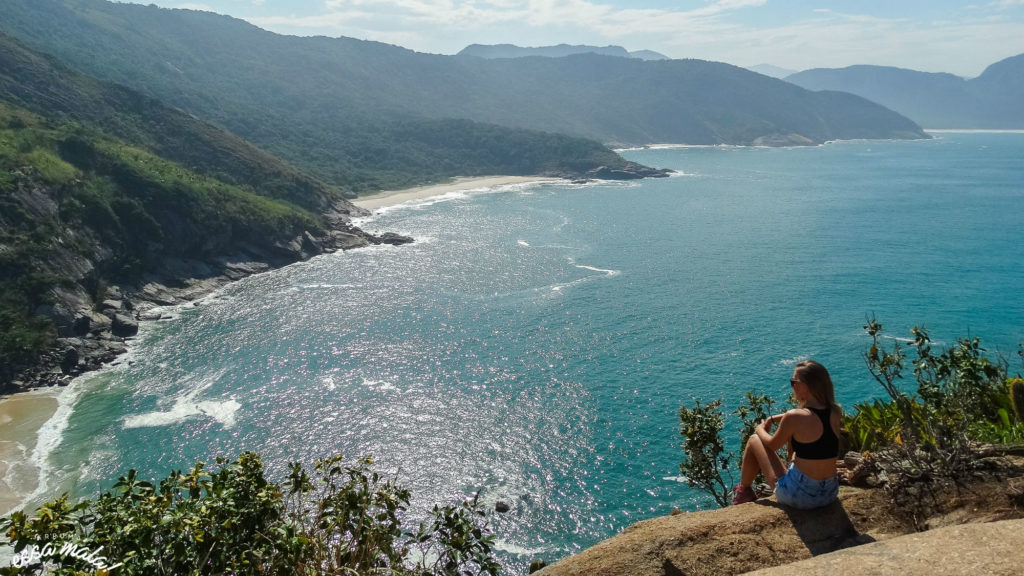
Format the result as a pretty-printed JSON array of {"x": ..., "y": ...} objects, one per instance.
[
  {"x": 628, "y": 171},
  {"x": 992, "y": 548},
  {"x": 765, "y": 534}
]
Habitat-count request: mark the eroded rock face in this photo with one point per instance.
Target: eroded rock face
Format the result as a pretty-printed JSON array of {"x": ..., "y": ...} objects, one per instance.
[{"x": 124, "y": 326}]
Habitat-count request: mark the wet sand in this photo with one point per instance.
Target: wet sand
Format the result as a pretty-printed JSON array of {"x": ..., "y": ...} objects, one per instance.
[
  {"x": 21, "y": 417},
  {"x": 395, "y": 197}
]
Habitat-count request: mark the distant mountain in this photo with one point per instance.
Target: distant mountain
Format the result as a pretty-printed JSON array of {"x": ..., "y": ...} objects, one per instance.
[
  {"x": 934, "y": 100},
  {"x": 773, "y": 71},
  {"x": 559, "y": 51},
  {"x": 648, "y": 55},
  {"x": 358, "y": 114}
]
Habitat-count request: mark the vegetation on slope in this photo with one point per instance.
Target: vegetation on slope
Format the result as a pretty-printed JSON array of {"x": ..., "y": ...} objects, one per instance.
[
  {"x": 78, "y": 206},
  {"x": 328, "y": 105},
  {"x": 47, "y": 87},
  {"x": 342, "y": 519},
  {"x": 331, "y": 112}
]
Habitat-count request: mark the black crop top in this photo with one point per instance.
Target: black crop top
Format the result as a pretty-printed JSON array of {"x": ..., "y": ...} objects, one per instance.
[{"x": 825, "y": 447}]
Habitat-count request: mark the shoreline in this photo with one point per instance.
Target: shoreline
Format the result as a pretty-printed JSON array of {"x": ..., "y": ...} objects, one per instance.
[
  {"x": 29, "y": 405},
  {"x": 22, "y": 417},
  {"x": 24, "y": 412},
  {"x": 388, "y": 198}
]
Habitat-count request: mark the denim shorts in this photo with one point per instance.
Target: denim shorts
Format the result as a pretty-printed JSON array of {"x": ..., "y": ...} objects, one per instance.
[{"x": 799, "y": 491}]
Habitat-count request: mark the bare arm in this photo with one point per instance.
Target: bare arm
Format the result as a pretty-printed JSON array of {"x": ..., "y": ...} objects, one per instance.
[{"x": 782, "y": 436}]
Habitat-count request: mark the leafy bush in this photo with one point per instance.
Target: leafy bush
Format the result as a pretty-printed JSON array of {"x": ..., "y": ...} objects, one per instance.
[
  {"x": 706, "y": 457},
  {"x": 962, "y": 396},
  {"x": 342, "y": 520}
]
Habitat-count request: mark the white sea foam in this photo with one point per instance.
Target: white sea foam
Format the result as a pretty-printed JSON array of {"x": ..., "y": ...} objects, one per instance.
[
  {"x": 518, "y": 550},
  {"x": 668, "y": 146},
  {"x": 379, "y": 384},
  {"x": 792, "y": 361},
  {"x": 420, "y": 203},
  {"x": 417, "y": 204},
  {"x": 51, "y": 434},
  {"x": 323, "y": 286},
  {"x": 604, "y": 273},
  {"x": 602, "y": 270},
  {"x": 186, "y": 407}
]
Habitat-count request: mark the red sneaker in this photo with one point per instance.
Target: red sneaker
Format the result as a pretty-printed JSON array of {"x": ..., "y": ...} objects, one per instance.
[{"x": 742, "y": 495}]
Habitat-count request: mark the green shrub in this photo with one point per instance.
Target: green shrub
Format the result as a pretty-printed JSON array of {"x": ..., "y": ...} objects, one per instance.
[
  {"x": 704, "y": 450},
  {"x": 342, "y": 520},
  {"x": 707, "y": 465}
]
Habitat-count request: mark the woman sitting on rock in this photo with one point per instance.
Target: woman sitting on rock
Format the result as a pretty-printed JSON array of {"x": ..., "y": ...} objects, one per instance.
[{"x": 811, "y": 433}]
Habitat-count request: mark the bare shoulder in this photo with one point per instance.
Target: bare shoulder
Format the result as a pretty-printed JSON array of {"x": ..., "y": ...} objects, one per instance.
[{"x": 798, "y": 412}]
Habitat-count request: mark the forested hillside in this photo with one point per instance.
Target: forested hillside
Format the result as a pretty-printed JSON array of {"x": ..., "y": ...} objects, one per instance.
[
  {"x": 324, "y": 105},
  {"x": 80, "y": 210},
  {"x": 333, "y": 105}
]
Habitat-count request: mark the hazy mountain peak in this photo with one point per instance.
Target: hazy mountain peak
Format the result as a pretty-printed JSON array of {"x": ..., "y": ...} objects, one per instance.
[
  {"x": 770, "y": 70},
  {"x": 559, "y": 51},
  {"x": 933, "y": 99}
]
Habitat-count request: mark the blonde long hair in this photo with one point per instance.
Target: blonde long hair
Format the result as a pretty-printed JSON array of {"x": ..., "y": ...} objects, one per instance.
[{"x": 818, "y": 382}]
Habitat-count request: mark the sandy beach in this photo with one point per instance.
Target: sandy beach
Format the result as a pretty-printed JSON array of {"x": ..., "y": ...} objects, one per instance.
[
  {"x": 21, "y": 417},
  {"x": 394, "y": 197}
]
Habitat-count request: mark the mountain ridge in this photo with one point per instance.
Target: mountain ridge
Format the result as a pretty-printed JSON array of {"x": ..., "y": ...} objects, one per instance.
[
  {"x": 328, "y": 104},
  {"x": 933, "y": 99},
  {"x": 557, "y": 51}
]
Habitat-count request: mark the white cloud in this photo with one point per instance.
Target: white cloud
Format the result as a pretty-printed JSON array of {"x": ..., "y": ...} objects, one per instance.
[
  {"x": 712, "y": 31},
  {"x": 194, "y": 6}
]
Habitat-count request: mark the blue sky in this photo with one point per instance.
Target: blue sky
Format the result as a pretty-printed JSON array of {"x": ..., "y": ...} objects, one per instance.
[{"x": 929, "y": 35}]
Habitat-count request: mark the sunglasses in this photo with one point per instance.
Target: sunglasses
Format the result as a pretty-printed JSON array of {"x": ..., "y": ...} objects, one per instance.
[{"x": 792, "y": 382}]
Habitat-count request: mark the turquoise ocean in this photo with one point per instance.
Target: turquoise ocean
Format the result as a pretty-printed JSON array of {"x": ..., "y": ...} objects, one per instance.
[{"x": 536, "y": 342}]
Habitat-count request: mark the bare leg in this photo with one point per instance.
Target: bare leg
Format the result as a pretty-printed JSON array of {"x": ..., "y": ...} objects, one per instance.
[{"x": 757, "y": 458}]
